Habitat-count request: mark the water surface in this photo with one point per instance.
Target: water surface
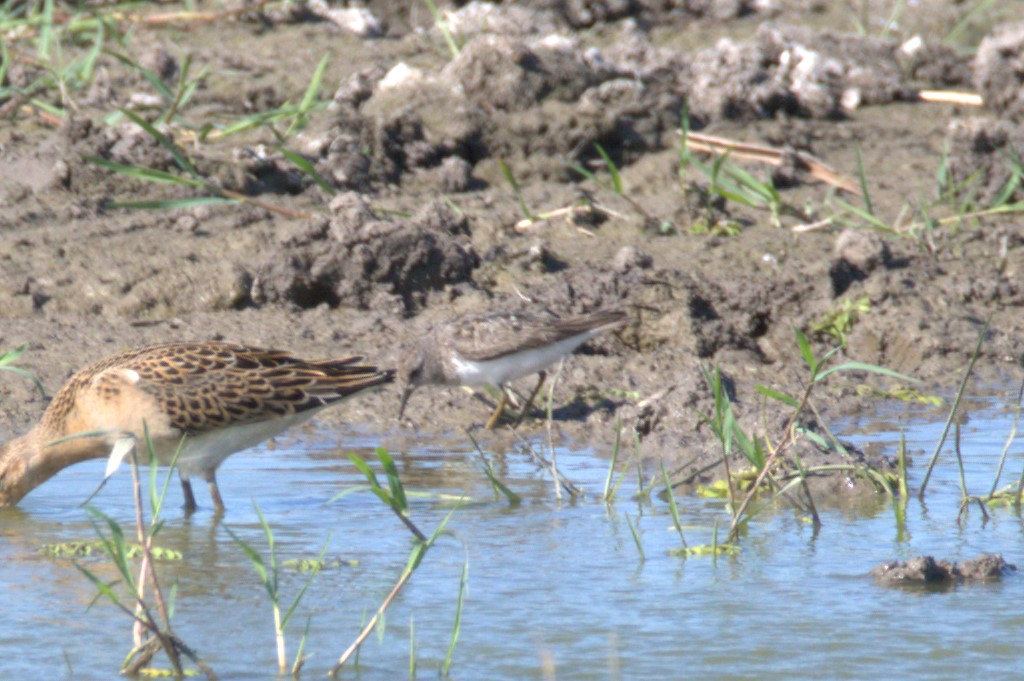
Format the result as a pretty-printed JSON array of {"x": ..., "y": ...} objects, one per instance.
[{"x": 557, "y": 589}]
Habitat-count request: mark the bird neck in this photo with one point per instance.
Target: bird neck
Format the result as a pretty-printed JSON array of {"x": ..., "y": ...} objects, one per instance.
[{"x": 32, "y": 459}]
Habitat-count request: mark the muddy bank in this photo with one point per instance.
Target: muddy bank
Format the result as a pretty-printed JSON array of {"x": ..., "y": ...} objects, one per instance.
[{"x": 410, "y": 215}]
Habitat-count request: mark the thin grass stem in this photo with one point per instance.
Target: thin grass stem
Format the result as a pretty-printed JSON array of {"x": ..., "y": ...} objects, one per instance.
[
  {"x": 1009, "y": 441},
  {"x": 457, "y": 625},
  {"x": 615, "y": 456},
  {"x": 953, "y": 409},
  {"x": 636, "y": 537}
]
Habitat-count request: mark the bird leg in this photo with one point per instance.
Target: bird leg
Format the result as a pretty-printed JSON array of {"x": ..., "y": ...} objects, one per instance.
[
  {"x": 529, "y": 401},
  {"x": 190, "y": 499},
  {"x": 218, "y": 503},
  {"x": 493, "y": 421}
]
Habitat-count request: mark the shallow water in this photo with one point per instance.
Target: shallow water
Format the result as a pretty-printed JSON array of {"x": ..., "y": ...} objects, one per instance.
[{"x": 556, "y": 589}]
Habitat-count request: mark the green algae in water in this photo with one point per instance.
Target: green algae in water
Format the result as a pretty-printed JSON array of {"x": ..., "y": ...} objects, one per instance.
[
  {"x": 308, "y": 565},
  {"x": 82, "y": 549}
]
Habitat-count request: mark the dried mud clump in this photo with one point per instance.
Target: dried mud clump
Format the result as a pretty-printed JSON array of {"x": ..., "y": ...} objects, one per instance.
[
  {"x": 354, "y": 257},
  {"x": 936, "y": 64},
  {"x": 399, "y": 122},
  {"x": 978, "y": 152},
  {"x": 477, "y": 18},
  {"x": 701, "y": 316},
  {"x": 982, "y": 149},
  {"x": 856, "y": 254},
  {"x": 926, "y": 571},
  {"x": 511, "y": 75},
  {"x": 795, "y": 71},
  {"x": 551, "y": 101},
  {"x": 544, "y": 17},
  {"x": 999, "y": 71},
  {"x": 544, "y": 100}
]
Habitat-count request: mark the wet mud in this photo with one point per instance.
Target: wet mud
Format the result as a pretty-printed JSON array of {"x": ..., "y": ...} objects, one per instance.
[
  {"x": 925, "y": 571},
  {"x": 418, "y": 219}
]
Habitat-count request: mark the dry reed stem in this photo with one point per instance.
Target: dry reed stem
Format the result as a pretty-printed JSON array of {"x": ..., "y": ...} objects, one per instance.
[
  {"x": 951, "y": 97},
  {"x": 710, "y": 144}
]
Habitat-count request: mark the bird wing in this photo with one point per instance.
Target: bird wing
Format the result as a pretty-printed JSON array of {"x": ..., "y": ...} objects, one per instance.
[
  {"x": 205, "y": 386},
  {"x": 489, "y": 337}
]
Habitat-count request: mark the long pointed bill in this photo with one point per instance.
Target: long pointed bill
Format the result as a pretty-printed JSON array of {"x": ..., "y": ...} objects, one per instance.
[{"x": 409, "y": 387}]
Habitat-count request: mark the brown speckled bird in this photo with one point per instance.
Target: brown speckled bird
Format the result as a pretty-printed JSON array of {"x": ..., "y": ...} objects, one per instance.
[{"x": 220, "y": 397}]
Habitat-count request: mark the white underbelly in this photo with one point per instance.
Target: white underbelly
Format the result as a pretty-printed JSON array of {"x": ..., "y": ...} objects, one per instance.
[
  {"x": 202, "y": 454},
  {"x": 516, "y": 365}
]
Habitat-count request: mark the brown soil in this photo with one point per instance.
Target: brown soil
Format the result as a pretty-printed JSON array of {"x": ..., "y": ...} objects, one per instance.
[{"x": 422, "y": 222}]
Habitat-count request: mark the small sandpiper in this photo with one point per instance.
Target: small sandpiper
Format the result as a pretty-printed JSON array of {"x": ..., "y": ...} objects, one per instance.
[
  {"x": 497, "y": 348},
  {"x": 212, "y": 399}
]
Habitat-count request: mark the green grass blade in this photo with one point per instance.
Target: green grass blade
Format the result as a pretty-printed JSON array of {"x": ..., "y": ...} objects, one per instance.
[
  {"x": 48, "y": 107},
  {"x": 385, "y": 496},
  {"x": 457, "y": 626},
  {"x": 172, "y": 204},
  {"x": 412, "y": 648},
  {"x": 513, "y": 498},
  {"x": 89, "y": 64},
  {"x": 303, "y": 164},
  {"x": 871, "y": 368},
  {"x": 953, "y": 408},
  {"x": 420, "y": 550},
  {"x": 953, "y": 36},
  {"x": 806, "y": 351},
  {"x": 874, "y": 222},
  {"x": 154, "y": 80},
  {"x": 313, "y": 89},
  {"x": 308, "y": 99},
  {"x": 162, "y": 494},
  {"x": 147, "y": 174},
  {"x": 763, "y": 190},
  {"x": 673, "y": 508},
  {"x": 101, "y": 586},
  {"x": 577, "y": 168},
  {"x": 179, "y": 156},
  {"x": 302, "y": 592},
  {"x": 612, "y": 169},
  {"x": 776, "y": 395},
  {"x": 863, "y": 178},
  {"x": 114, "y": 546},
  {"x": 516, "y": 189},
  {"x": 736, "y": 197},
  {"x": 26, "y": 374},
  {"x": 685, "y": 157},
  {"x": 439, "y": 21},
  {"x": 349, "y": 490},
  {"x": 399, "y": 500},
  {"x": 256, "y": 560},
  {"x": 636, "y": 537},
  {"x": 12, "y": 355},
  {"x": 268, "y": 534},
  {"x": 5, "y": 62},
  {"x": 615, "y": 455},
  {"x": 365, "y": 469},
  {"x": 45, "y": 40},
  {"x": 300, "y": 658}
]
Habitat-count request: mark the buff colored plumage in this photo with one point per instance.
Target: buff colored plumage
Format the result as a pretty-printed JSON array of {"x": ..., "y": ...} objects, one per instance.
[{"x": 220, "y": 397}]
